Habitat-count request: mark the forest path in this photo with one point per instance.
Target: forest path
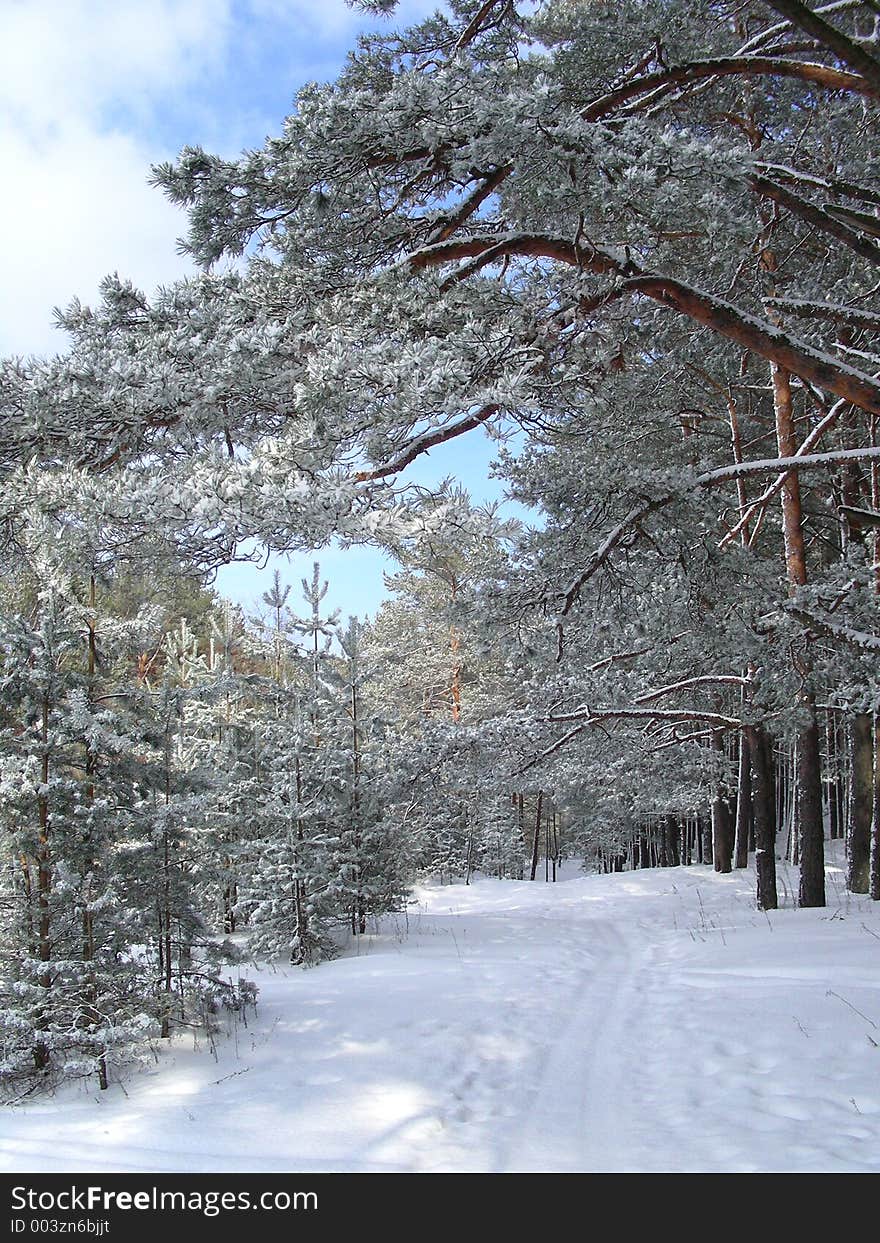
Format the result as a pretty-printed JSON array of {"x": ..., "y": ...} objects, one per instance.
[
  {"x": 572, "y": 1118},
  {"x": 641, "y": 1021}
]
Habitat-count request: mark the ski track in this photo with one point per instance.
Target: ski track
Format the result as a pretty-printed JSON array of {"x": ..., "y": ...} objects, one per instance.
[{"x": 642, "y": 1021}]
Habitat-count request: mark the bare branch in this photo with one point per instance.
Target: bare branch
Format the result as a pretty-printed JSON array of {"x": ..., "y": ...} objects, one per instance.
[
  {"x": 787, "y": 464},
  {"x": 607, "y": 547},
  {"x": 779, "y": 483},
  {"x": 861, "y": 221},
  {"x": 554, "y": 747},
  {"x": 860, "y": 518},
  {"x": 476, "y": 25},
  {"x": 708, "y": 479},
  {"x": 758, "y": 40},
  {"x": 764, "y": 339},
  {"x": 834, "y": 630},
  {"x": 470, "y": 204},
  {"x": 832, "y": 185}
]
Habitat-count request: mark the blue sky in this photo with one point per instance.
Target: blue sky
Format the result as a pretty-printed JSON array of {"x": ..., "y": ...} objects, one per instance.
[{"x": 92, "y": 92}]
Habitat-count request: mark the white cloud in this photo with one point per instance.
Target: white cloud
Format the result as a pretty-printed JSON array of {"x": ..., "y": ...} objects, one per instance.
[
  {"x": 75, "y": 202},
  {"x": 92, "y": 92},
  {"x": 76, "y": 206},
  {"x": 78, "y": 57}
]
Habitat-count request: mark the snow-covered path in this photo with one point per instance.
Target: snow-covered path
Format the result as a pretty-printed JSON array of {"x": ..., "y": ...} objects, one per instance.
[{"x": 643, "y": 1021}]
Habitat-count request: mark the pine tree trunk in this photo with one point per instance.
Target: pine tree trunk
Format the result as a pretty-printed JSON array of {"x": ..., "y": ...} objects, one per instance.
[
  {"x": 44, "y": 889},
  {"x": 722, "y": 825},
  {"x": 359, "y": 911},
  {"x": 660, "y": 834},
  {"x": 536, "y": 840},
  {"x": 764, "y": 804},
  {"x": 517, "y": 817},
  {"x": 704, "y": 832},
  {"x": 722, "y": 835},
  {"x": 165, "y": 907},
  {"x": 686, "y": 855},
  {"x": 861, "y": 734},
  {"x": 875, "y": 828},
  {"x": 809, "y": 810},
  {"x": 673, "y": 856},
  {"x": 92, "y": 1016},
  {"x": 809, "y": 767},
  {"x": 744, "y": 809}
]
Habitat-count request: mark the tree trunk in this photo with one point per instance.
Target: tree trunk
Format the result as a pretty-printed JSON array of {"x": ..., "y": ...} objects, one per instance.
[
  {"x": 536, "y": 840},
  {"x": 861, "y": 804},
  {"x": 44, "y": 889},
  {"x": 673, "y": 856},
  {"x": 704, "y": 833},
  {"x": 722, "y": 825},
  {"x": 92, "y": 1016},
  {"x": 875, "y": 828},
  {"x": 744, "y": 808},
  {"x": 660, "y": 834},
  {"x": 809, "y": 767},
  {"x": 722, "y": 835},
  {"x": 809, "y": 808},
  {"x": 764, "y": 804}
]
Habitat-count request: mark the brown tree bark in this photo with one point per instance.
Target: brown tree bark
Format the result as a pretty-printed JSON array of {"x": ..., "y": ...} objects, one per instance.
[
  {"x": 44, "y": 889},
  {"x": 536, "y": 840},
  {"x": 722, "y": 822},
  {"x": 744, "y": 808},
  {"x": 764, "y": 802},
  {"x": 92, "y": 1017},
  {"x": 861, "y": 806},
  {"x": 875, "y": 828},
  {"x": 809, "y": 767}
]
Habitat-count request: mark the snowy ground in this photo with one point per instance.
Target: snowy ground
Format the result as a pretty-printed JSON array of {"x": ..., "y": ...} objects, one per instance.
[{"x": 643, "y": 1021}]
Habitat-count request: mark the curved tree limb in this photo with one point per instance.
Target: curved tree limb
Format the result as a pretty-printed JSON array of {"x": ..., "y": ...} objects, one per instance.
[
  {"x": 708, "y": 479},
  {"x": 846, "y": 51},
  {"x": 728, "y": 66},
  {"x": 594, "y": 716},
  {"x": 749, "y": 332},
  {"x": 428, "y": 440},
  {"x": 817, "y": 216}
]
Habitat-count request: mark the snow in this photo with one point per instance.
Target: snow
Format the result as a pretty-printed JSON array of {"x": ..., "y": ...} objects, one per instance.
[{"x": 642, "y": 1021}]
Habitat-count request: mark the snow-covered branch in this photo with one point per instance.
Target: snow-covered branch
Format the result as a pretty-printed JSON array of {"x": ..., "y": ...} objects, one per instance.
[
  {"x": 767, "y": 495},
  {"x": 816, "y": 216},
  {"x": 747, "y": 331},
  {"x": 799, "y": 462},
  {"x": 739, "y": 66},
  {"x": 829, "y": 36},
  {"x": 720, "y": 679},
  {"x": 867, "y": 321},
  {"x": 427, "y": 440},
  {"x": 595, "y": 716},
  {"x": 834, "y": 630}
]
